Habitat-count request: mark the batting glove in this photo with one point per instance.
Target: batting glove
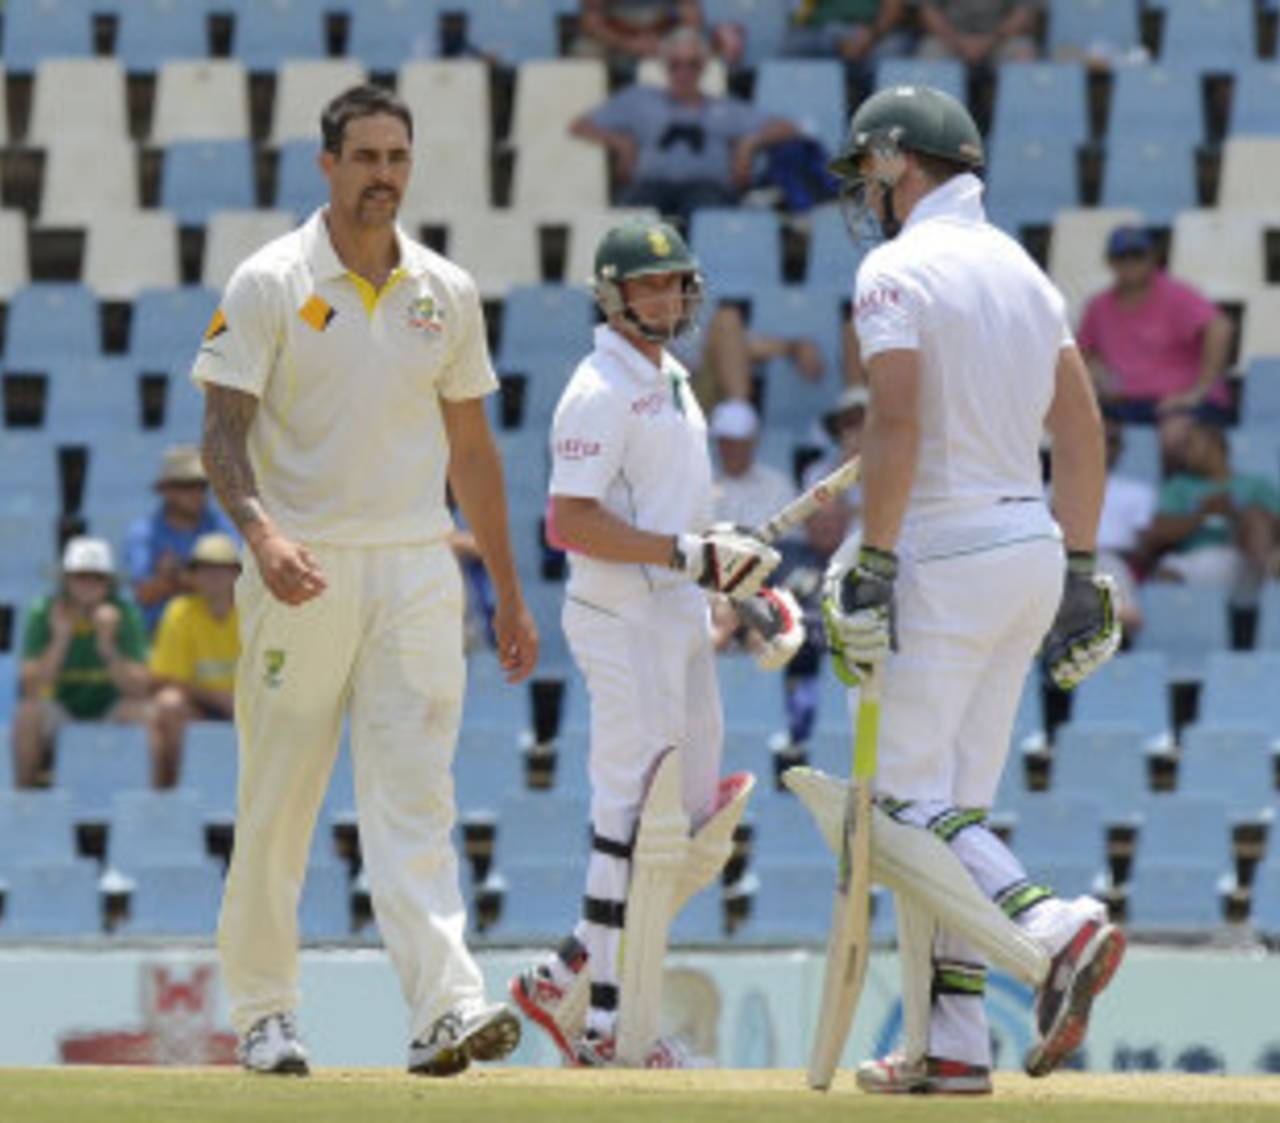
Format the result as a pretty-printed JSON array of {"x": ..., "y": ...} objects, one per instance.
[
  {"x": 774, "y": 615},
  {"x": 1086, "y": 632},
  {"x": 726, "y": 559},
  {"x": 858, "y": 609}
]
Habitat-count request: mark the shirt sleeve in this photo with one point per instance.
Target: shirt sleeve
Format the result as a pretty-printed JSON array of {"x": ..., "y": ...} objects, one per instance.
[
  {"x": 132, "y": 640},
  {"x": 886, "y": 311},
  {"x": 1192, "y": 311},
  {"x": 169, "y": 657},
  {"x": 742, "y": 118},
  {"x": 619, "y": 114},
  {"x": 588, "y": 438},
  {"x": 243, "y": 338},
  {"x": 468, "y": 373}
]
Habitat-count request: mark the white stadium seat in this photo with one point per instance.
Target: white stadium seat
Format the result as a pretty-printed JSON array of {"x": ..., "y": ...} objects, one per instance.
[
  {"x": 1250, "y": 172},
  {"x": 201, "y": 99},
  {"x": 498, "y": 248},
  {"x": 449, "y": 174},
  {"x": 126, "y": 253},
  {"x": 449, "y": 100},
  {"x": 1222, "y": 252},
  {"x": 76, "y": 97},
  {"x": 231, "y": 236},
  {"x": 302, "y": 90},
  {"x": 1078, "y": 253},
  {"x": 1261, "y": 325},
  {"x": 95, "y": 176},
  {"x": 15, "y": 270}
]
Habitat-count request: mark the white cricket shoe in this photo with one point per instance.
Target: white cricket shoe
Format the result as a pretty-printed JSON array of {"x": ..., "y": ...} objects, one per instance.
[
  {"x": 539, "y": 996},
  {"x": 456, "y": 1038},
  {"x": 895, "y": 1075},
  {"x": 598, "y": 1050},
  {"x": 272, "y": 1046}
]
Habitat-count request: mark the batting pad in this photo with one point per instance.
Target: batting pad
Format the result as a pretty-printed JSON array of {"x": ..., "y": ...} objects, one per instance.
[{"x": 917, "y": 863}]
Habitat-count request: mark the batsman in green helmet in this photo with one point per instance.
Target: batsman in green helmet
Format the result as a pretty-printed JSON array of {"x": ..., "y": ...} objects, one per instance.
[{"x": 647, "y": 281}]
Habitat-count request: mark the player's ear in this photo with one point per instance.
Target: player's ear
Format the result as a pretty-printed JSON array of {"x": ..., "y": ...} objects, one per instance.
[{"x": 326, "y": 161}]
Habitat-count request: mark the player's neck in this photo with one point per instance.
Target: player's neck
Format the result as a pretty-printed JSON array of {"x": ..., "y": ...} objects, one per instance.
[
  {"x": 650, "y": 350},
  {"x": 371, "y": 252}
]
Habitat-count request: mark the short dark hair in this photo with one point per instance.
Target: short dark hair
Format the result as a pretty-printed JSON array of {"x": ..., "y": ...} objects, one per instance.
[{"x": 359, "y": 101}]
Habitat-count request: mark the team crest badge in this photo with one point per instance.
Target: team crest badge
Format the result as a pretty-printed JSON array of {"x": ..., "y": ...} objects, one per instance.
[
  {"x": 273, "y": 660},
  {"x": 425, "y": 314},
  {"x": 659, "y": 242}
]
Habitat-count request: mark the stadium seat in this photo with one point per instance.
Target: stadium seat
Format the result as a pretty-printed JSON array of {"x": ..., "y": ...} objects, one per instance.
[
  {"x": 1029, "y": 181},
  {"x": 947, "y": 75},
  {"x": 500, "y": 249},
  {"x": 542, "y": 827},
  {"x": 95, "y": 760},
  {"x": 300, "y": 187},
  {"x": 1265, "y": 910},
  {"x": 35, "y": 30},
  {"x": 92, "y": 400},
  {"x": 74, "y": 98},
  {"x": 545, "y": 324},
  {"x": 763, "y": 23},
  {"x": 1232, "y": 763},
  {"x": 1221, "y": 252},
  {"x": 97, "y": 177},
  {"x": 586, "y": 229},
  {"x": 340, "y": 796},
  {"x": 1268, "y": 637},
  {"x": 126, "y": 253},
  {"x": 1069, "y": 879},
  {"x": 385, "y": 34},
  {"x": 1261, "y": 335},
  {"x": 513, "y": 31},
  {"x": 168, "y": 325},
  {"x": 183, "y": 409},
  {"x": 1261, "y": 404},
  {"x": 833, "y": 255},
  {"x": 739, "y": 250},
  {"x": 152, "y": 826},
  {"x": 171, "y": 899},
  {"x": 792, "y": 312},
  {"x": 231, "y": 236},
  {"x": 15, "y": 267},
  {"x": 1249, "y": 165},
  {"x": 1180, "y": 896},
  {"x": 270, "y": 33},
  {"x": 151, "y": 31},
  {"x": 1130, "y": 689},
  {"x": 1208, "y": 35},
  {"x": 487, "y": 767},
  {"x": 201, "y": 99},
  {"x": 48, "y": 322},
  {"x": 807, "y": 92},
  {"x": 324, "y": 910},
  {"x": 1058, "y": 826},
  {"x": 119, "y": 476},
  {"x": 1103, "y": 762},
  {"x": 752, "y": 698},
  {"x": 448, "y": 172},
  {"x": 1077, "y": 252},
  {"x": 542, "y": 902},
  {"x": 1186, "y": 622},
  {"x": 29, "y": 468},
  {"x": 559, "y": 173},
  {"x": 52, "y": 900},
  {"x": 549, "y": 95},
  {"x": 1240, "y": 689},
  {"x": 1140, "y": 457},
  {"x": 1089, "y": 27},
  {"x": 793, "y": 901},
  {"x": 209, "y": 766},
  {"x": 1152, "y": 104},
  {"x": 714, "y": 83},
  {"x": 449, "y": 99},
  {"x": 1254, "y": 97},
  {"x": 1158, "y": 176},
  {"x": 8, "y": 702},
  {"x": 1183, "y": 828},
  {"x": 1255, "y": 451},
  {"x": 701, "y": 921},
  {"x": 1035, "y": 98},
  {"x": 784, "y": 829},
  {"x": 303, "y": 88},
  {"x": 200, "y": 177},
  {"x": 35, "y": 829}
]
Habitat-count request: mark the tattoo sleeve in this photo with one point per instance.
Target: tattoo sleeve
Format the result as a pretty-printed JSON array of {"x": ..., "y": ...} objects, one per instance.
[{"x": 228, "y": 414}]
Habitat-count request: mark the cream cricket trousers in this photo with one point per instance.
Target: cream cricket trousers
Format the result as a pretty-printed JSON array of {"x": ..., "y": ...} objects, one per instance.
[{"x": 384, "y": 643}]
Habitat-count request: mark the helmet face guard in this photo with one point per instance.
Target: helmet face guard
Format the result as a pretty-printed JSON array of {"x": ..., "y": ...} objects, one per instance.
[
  {"x": 865, "y": 226},
  {"x": 614, "y": 304}
]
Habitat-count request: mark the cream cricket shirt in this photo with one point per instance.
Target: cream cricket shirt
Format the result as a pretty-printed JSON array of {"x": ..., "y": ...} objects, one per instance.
[
  {"x": 349, "y": 445},
  {"x": 632, "y": 436}
]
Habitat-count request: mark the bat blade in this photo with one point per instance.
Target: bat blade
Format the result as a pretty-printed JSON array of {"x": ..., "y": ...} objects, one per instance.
[{"x": 794, "y": 513}]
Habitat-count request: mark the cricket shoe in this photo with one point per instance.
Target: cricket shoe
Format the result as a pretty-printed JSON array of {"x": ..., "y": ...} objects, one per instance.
[
  {"x": 540, "y": 998},
  {"x": 1077, "y": 975},
  {"x": 455, "y": 1039},
  {"x": 599, "y": 1050},
  {"x": 927, "y": 1076},
  {"x": 272, "y": 1047}
]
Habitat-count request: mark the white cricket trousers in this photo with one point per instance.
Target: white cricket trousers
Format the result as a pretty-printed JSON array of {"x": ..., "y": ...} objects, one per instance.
[
  {"x": 650, "y": 670},
  {"x": 384, "y": 642}
]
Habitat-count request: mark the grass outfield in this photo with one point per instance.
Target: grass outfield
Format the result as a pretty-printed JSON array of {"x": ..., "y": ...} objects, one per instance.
[{"x": 121, "y": 1095}]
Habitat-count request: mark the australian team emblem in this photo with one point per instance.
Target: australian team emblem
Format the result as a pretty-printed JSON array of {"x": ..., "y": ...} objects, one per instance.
[{"x": 425, "y": 314}]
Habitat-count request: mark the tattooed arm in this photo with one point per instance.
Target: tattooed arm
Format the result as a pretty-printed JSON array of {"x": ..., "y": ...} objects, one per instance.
[{"x": 288, "y": 569}]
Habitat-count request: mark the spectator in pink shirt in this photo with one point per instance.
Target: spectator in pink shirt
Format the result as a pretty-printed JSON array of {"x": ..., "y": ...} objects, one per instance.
[{"x": 1156, "y": 347}]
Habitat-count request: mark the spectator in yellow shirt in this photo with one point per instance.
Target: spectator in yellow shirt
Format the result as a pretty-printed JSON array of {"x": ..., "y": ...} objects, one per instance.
[{"x": 193, "y": 662}]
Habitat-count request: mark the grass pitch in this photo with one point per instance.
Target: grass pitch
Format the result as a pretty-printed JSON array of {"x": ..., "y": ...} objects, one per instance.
[{"x": 123, "y": 1095}]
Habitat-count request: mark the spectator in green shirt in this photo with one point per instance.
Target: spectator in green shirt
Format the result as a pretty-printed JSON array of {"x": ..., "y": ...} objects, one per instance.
[
  {"x": 1214, "y": 525},
  {"x": 83, "y": 659},
  {"x": 857, "y": 31}
]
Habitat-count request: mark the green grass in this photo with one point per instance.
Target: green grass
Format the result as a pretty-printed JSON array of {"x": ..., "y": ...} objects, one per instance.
[{"x": 375, "y": 1096}]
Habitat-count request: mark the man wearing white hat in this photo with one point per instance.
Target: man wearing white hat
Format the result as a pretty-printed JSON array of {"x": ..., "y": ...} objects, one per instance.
[
  {"x": 83, "y": 658},
  {"x": 747, "y": 493}
]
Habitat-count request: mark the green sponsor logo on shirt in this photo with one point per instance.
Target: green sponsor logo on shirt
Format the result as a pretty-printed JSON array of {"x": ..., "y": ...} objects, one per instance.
[{"x": 273, "y": 658}]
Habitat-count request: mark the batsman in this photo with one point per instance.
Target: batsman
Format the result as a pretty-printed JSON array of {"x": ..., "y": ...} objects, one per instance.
[
  {"x": 631, "y": 501},
  {"x": 963, "y": 573}
]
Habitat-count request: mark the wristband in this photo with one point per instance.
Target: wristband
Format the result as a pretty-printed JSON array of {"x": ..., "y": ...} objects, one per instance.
[{"x": 1081, "y": 563}]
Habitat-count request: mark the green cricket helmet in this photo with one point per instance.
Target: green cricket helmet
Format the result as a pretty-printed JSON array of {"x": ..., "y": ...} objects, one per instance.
[
  {"x": 912, "y": 119},
  {"x": 645, "y": 248}
]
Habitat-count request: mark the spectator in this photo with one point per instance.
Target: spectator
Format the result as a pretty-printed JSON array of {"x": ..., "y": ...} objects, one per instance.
[
  {"x": 1214, "y": 525},
  {"x": 1128, "y": 508},
  {"x": 83, "y": 659},
  {"x": 841, "y": 428},
  {"x": 979, "y": 32},
  {"x": 747, "y": 492},
  {"x": 193, "y": 662},
  {"x": 157, "y": 546},
  {"x": 623, "y": 32},
  {"x": 677, "y": 149},
  {"x": 1157, "y": 348},
  {"x": 857, "y": 31}
]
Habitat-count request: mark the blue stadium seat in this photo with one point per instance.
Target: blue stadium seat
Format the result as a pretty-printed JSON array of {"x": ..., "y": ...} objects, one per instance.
[
  {"x": 209, "y": 766},
  {"x": 833, "y": 256},
  {"x": 120, "y": 474},
  {"x": 1140, "y": 458},
  {"x": 324, "y": 910},
  {"x": 794, "y": 402},
  {"x": 1068, "y": 878},
  {"x": 784, "y": 829},
  {"x": 751, "y": 698},
  {"x": 793, "y": 312},
  {"x": 49, "y": 321},
  {"x": 1254, "y": 98},
  {"x": 1157, "y": 176},
  {"x": 543, "y": 900},
  {"x": 1268, "y": 637},
  {"x": 168, "y": 325},
  {"x": 35, "y": 828},
  {"x": 1209, "y": 35},
  {"x": 701, "y": 921},
  {"x": 270, "y": 32},
  {"x": 386, "y": 33},
  {"x": 1130, "y": 689},
  {"x": 1029, "y": 181},
  {"x": 487, "y": 768},
  {"x": 154, "y": 31},
  {"x": 947, "y": 75},
  {"x": 1183, "y": 828},
  {"x": 89, "y": 401},
  {"x": 340, "y": 796},
  {"x": 1060, "y": 826},
  {"x": 40, "y": 29},
  {"x": 1085, "y": 25},
  {"x": 514, "y": 31},
  {"x": 300, "y": 187},
  {"x": 183, "y": 409},
  {"x": 52, "y": 900},
  {"x": 200, "y": 177},
  {"x": 1186, "y": 622},
  {"x": 1164, "y": 895},
  {"x": 1261, "y": 405},
  {"x": 1155, "y": 104},
  {"x": 149, "y": 827},
  {"x": 1035, "y": 98},
  {"x": 1240, "y": 689},
  {"x": 1230, "y": 763},
  {"x": 542, "y": 827},
  {"x": 173, "y": 899},
  {"x": 95, "y": 760},
  {"x": 793, "y": 901},
  {"x": 29, "y": 468},
  {"x": 763, "y": 21},
  {"x": 1103, "y": 762},
  {"x": 544, "y": 325},
  {"x": 1255, "y": 451},
  {"x": 9, "y": 662},
  {"x": 807, "y": 92},
  {"x": 739, "y": 250},
  {"x": 1265, "y": 909}
]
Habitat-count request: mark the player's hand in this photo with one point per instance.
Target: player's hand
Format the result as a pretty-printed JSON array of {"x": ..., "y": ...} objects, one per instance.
[
  {"x": 106, "y": 623},
  {"x": 288, "y": 570},
  {"x": 517, "y": 638},
  {"x": 1086, "y": 631},
  {"x": 859, "y": 612},
  {"x": 726, "y": 559},
  {"x": 807, "y": 358},
  {"x": 775, "y": 616}
]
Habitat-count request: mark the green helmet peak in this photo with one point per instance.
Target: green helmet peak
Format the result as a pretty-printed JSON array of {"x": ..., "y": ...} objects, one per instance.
[{"x": 913, "y": 119}]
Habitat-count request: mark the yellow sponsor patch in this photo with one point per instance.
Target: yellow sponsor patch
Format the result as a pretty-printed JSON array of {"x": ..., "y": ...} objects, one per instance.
[
  {"x": 317, "y": 313},
  {"x": 216, "y": 326}
]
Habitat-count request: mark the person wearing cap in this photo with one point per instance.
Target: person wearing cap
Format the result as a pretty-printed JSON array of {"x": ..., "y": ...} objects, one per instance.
[
  {"x": 156, "y": 546},
  {"x": 83, "y": 658},
  {"x": 1156, "y": 347},
  {"x": 746, "y": 492},
  {"x": 193, "y": 659}
]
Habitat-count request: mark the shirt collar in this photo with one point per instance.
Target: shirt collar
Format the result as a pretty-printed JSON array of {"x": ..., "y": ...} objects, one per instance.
[
  {"x": 616, "y": 344},
  {"x": 959, "y": 198},
  {"x": 325, "y": 264}
]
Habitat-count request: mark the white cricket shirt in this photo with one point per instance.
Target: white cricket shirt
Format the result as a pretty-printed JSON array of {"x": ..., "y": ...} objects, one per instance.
[
  {"x": 348, "y": 444},
  {"x": 632, "y": 436}
]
